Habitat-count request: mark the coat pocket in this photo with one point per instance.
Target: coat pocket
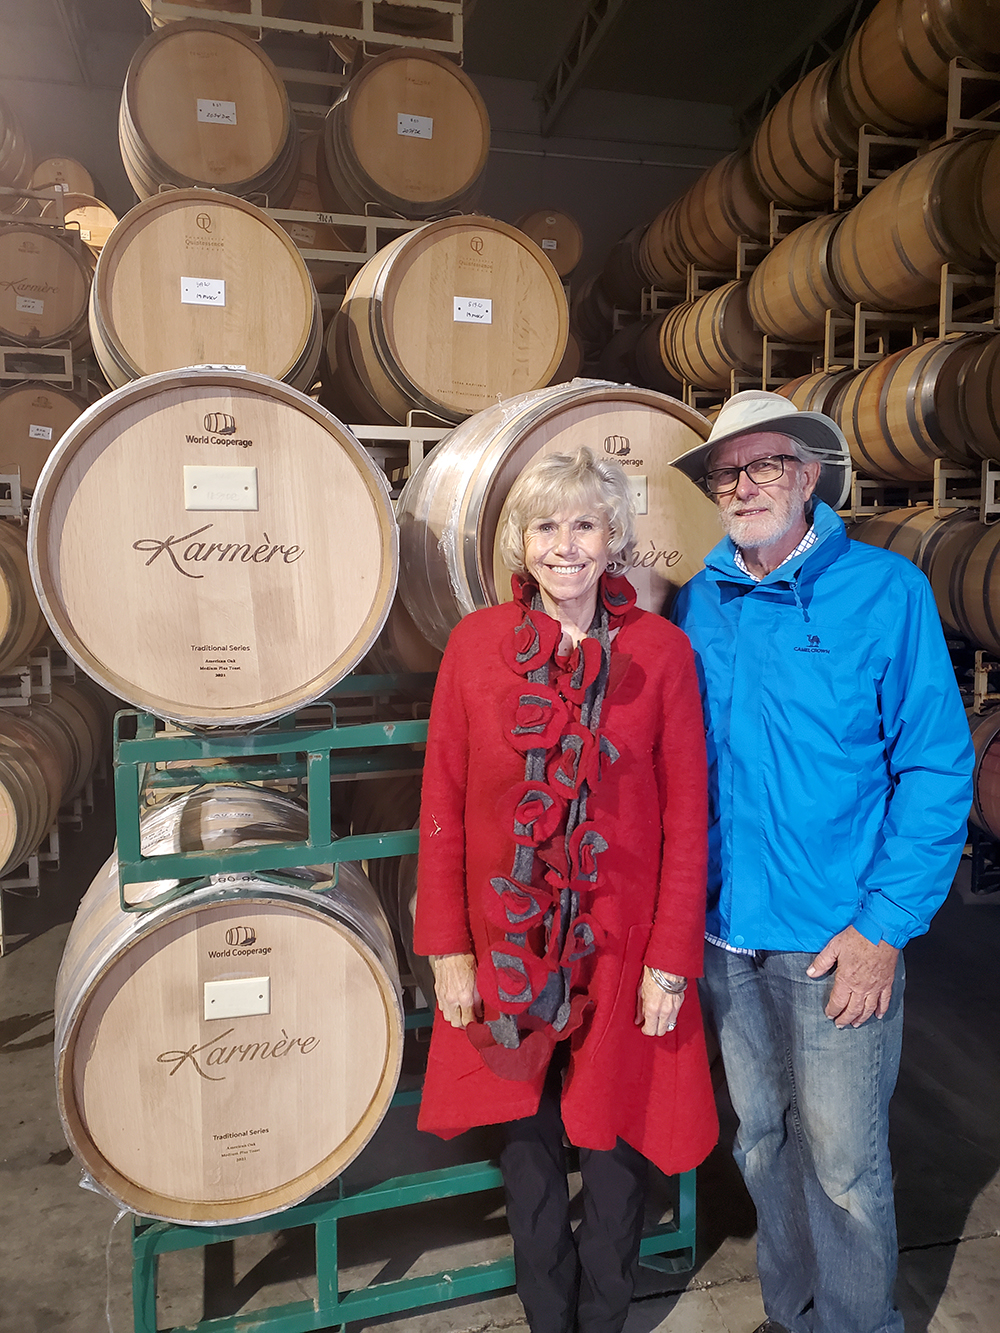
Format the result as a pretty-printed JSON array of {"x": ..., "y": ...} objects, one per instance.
[{"x": 620, "y": 1012}]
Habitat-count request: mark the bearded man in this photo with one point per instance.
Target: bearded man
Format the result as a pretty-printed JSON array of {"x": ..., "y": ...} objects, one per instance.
[{"x": 840, "y": 783}]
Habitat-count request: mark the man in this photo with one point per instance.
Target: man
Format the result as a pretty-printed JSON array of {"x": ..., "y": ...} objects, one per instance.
[{"x": 840, "y": 779}]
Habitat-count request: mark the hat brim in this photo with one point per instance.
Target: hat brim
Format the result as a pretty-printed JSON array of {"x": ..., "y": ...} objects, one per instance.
[{"x": 812, "y": 429}]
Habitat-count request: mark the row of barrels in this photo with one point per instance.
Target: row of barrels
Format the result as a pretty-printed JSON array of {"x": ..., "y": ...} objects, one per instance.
[
  {"x": 886, "y": 253},
  {"x": 892, "y": 76},
  {"x": 47, "y": 753},
  {"x": 204, "y": 106}
]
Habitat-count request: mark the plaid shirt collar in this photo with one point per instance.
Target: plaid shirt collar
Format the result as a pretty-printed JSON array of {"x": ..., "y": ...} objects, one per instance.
[{"x": 808, "y": 540}]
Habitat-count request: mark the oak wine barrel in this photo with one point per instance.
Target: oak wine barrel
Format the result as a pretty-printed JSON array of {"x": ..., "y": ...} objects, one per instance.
[
  {"x": 592, "y": 313},
  {"x": 213, "y": 546},
  {"x": 649, "y": 368},
  {"x": 724, "y": 204},
  {"x": 447, "y": 318},
  {"x": 22, "y": 625},
  {"x": 33, "y": 774},
  {"x": 894, "y": 73},
  {"x": 906, "y": 410},
  {"x": 660, "y": 251},
  {"x": 795, "y": 150},
  {"x": 15, "y": 155},
  {"x": 204, "y": 106},
  {"x": 450, "y": 508},
  {"x": 71, "y": 176},
  {"x": 819, "y": 392},
  {"x": 195, "y": 1118},
  {"x": 623, "y": 276},
  {"x": 410, "y": 133},
  {"x": 571, "y": 364},
  {"x": 33, "y": 418},
  {"x": 980, "y": 395},
  {"x": 400, "y": 646},
  {"x": 221, "y": 284},
  {"x": 95, "y": 220},
  {"x": 272, "y": 8},
  {"x": 44, "y": 287},
  {"x": 889, "y": 250},
  {"x": 793, "y": 287},
  {"x": 712, "y": 337},
  {"x": 558, "y": 234},
  {"x": 987, "y": 201},
  {"x": 986, "y": 775}
]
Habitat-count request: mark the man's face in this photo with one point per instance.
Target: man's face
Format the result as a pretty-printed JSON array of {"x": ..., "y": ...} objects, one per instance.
[{"x": 753, "y": 515}]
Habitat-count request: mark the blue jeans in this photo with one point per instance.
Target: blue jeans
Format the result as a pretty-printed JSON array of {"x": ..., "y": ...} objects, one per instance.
[{"x": 813, "y": 1139}]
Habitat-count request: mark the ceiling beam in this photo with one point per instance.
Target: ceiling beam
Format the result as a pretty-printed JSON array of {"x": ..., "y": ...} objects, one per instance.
[{"x": 592, "y": 28}]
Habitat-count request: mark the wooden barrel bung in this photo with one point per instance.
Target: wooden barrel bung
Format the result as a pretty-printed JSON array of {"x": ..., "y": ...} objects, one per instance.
[
  {"x": 558, "y": 234},
  {"x": 22, "y": 625},
  {"x": 894, "y": 73},
  {"x": 724, "y": 204},
  {"x": 94, "y": 220},
  {"x": 986, "y": 775},
  {"x": 793, "y": 287},
  {"x": 44, "y": 287},
  {"x": 448, "y": 318},
  {"x": 221, "y": 283},
  {"x": 410, "y": 133},
  {"x": 888, "y": 252},
  {"x": 450, "y": 508},
  {"x": 714, "y": 336},
  {"x": 204, "y": 106},
  {"x": 32, "y": 777},
  {"x": 906, "y": 410},
  {"x": 33, "y": 417},
  {"x": 216, "y": 574},
  {"x": 218, "y": 1106},
  {"x": 795, "y": 151}
]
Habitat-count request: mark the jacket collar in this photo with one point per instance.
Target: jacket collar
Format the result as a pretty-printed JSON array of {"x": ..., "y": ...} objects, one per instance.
[{"x": 831, "y": 541}]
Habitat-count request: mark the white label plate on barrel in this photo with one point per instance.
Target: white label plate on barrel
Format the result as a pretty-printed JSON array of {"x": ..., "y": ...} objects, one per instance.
[
  {"x": 203, "y": 291},
  {"x": 216, "y": 113},
  {"x": 39, "y": 432},
  {"x": 473, "y": 310},
  {"x": 549, "y": 244},
  {"x": 415, "y": 127},
  {"x": 30, "y": 305}
]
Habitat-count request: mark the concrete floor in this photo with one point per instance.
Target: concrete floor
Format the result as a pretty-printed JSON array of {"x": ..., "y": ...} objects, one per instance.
[{"x": 65, "y": 1260}]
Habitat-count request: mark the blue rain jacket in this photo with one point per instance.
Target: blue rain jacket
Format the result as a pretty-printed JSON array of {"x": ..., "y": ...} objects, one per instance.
[{"x": 840, "y": 762}]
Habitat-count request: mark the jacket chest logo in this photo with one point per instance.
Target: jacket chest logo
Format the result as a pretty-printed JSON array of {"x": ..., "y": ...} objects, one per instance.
[{"x": 812, "y": 645}]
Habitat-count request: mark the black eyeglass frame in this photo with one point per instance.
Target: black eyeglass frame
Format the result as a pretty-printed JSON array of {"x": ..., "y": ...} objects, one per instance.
[{"x": 768, "y": 458}]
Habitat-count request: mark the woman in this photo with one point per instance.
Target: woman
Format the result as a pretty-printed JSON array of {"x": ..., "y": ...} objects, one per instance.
[{"x": 561, "y": 891}]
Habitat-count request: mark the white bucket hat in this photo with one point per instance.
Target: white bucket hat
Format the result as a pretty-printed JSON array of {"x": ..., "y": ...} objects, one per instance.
[{"x": 755, "y": 410}]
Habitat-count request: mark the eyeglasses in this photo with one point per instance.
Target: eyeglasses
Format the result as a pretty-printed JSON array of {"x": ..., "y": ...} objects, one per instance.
[{"x": 761, "y": 471}]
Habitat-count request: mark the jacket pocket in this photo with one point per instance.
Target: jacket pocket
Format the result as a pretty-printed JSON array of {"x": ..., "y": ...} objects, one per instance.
[{"x": 622, "y": 1008}]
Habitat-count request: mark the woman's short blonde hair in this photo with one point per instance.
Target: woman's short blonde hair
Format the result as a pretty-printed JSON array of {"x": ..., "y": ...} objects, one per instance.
[{"x": 553, "y": 482}]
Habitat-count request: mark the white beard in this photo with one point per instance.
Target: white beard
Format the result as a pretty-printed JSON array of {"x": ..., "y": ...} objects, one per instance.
[{"x": 784, "y": 510}]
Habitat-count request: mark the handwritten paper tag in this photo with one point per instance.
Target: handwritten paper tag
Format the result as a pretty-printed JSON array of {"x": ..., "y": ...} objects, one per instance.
[
  {"x": 473, "y": 310},
  {"x": 415, "y": 127},
  {"x": 39, "y": 432},
  {"x": 216, "y": 113},
  {"x": 203, "y": 291}
]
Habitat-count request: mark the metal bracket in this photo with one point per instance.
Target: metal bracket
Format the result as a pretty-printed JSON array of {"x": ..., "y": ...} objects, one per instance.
[
  {"x": 973, "y": 98},
  {"x": 952, "y": 489},
  {"x": 989, "y": 491}
]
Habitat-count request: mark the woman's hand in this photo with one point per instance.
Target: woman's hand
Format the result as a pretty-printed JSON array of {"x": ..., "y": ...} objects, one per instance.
[
  {"x": 455, "y": 988},
  {"x": 657, "y": 1009}
]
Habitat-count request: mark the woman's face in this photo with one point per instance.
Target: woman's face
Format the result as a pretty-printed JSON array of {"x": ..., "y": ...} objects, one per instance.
[{"x": 566, "y": 553}]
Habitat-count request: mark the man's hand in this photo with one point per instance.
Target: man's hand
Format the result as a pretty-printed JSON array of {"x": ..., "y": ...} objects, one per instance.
[
  {"x": 455, "y": 988},
  {"x": 865, "y": 973},
  {"x": 656, "y": 1009}
]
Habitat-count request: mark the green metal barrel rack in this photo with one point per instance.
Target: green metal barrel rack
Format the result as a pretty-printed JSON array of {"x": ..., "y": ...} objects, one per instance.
[{"x": 284, "y": 751}]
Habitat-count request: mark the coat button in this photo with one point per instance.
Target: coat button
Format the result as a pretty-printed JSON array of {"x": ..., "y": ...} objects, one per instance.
[{"x": 737, "y": 939}]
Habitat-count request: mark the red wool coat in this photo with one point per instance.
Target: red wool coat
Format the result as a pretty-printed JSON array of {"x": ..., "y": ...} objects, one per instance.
[{"x": 648, "y": 906}]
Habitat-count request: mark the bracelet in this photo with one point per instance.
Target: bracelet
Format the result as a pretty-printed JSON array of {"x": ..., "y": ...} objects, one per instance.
[{"x": 664, "y": 983}]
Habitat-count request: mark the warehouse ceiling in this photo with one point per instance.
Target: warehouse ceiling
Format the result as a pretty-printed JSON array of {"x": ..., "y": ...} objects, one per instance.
[{"x": 725, "y": 52}]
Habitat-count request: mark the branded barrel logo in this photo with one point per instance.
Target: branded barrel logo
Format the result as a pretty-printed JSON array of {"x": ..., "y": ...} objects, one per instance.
[
  {"x": 617, "y": 445},
  {"x": 204, "y": 221},
  {"x": 477, "y": 244},
  {"x": 241, "y": 936},
  {"x": 220, "y": 423}
]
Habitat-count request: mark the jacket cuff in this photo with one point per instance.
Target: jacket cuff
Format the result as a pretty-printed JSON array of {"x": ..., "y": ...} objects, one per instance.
[{"x": 875, "y": 931}]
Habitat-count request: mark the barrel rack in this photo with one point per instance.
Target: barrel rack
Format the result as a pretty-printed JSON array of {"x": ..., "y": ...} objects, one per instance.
[{"x": 150, "y": 760}]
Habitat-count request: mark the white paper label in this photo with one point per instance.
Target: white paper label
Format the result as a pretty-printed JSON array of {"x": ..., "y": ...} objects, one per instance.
[
  {"x": 473, "y": 310},
  {"x": 62, "y": 187},
  {"x": 216, "y": 113},
  {"x": 39, "y": 432},
  {"x": 415, "y": 127},
  {"x": 304, "y": 235},
  {"x": 203, "y": 291},
  {"x": 84, "y": 233},
  {"x": 549, "y": 244},
  {"x": 29, "y": 305}
]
